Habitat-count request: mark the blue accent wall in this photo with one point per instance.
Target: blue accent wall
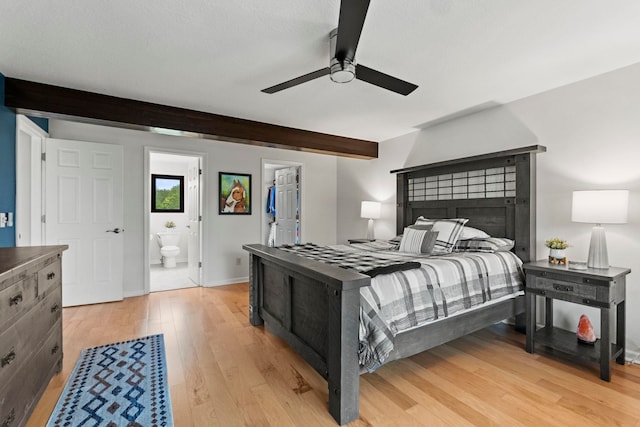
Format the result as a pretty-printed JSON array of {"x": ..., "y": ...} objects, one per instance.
[
  {"x": 8, "y": 164},
  {"x": 41, "y": 122}
]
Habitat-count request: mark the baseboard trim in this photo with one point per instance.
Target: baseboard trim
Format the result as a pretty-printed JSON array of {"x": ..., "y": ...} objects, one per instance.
[
  {"x": 632, "y": 356},
  {"x": 230, "y": 281},
  {"x": 136, "y": 293}
]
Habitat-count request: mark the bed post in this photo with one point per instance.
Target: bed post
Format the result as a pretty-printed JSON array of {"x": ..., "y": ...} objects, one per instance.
[
  {"x": 342, "y": 354},
  {"x": 254, "y": 294}
]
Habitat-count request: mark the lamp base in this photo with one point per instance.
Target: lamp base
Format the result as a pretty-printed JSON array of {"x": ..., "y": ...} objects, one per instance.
[
  {"x": 370, "y": 230},
  {"x": 598, "y": 257}
]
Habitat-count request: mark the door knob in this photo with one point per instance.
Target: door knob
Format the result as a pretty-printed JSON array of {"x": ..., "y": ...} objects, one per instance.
[{"x": 116, "y": 230}]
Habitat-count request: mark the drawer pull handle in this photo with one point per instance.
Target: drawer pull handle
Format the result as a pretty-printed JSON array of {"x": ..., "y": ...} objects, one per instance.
[
  {"x": 563, "y": 288},
  {"x": 10, "y": 418},
  {"x": 51, "y": 276},
  {"x": 55, "y": 349},
  {"x": 6, "y": 360},
  {"x": 15, "y": 300},
  {"x": 55, "y": 308}
]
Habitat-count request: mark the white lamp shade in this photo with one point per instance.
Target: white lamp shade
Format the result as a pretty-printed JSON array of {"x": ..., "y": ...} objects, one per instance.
[
  {"x": 370, "y": 210},
  {"x": 600, "y": 206}
]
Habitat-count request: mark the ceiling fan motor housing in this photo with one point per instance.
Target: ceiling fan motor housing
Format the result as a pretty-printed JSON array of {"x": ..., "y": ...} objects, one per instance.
[{"x": 342, "y": 70}]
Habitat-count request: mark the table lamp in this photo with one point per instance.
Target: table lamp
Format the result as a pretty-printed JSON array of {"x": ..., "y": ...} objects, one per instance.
[
  {"x": 599, "y": 207},
  {"x": 370, "y": 210}
]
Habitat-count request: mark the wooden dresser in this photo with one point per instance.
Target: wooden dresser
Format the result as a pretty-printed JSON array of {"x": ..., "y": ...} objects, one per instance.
[{"x": 30, "y": 327}]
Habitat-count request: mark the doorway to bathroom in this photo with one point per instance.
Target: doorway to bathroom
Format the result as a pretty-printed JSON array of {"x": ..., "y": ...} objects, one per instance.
[{"x": 174, "y": 220}]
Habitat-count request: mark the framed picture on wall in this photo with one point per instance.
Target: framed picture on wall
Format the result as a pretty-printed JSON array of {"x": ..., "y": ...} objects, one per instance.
[
  {"x": 234, "y": 193},
  {"x": 167, "y": 193}
]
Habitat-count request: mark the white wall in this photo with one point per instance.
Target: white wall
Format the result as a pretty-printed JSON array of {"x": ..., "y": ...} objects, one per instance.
[
  {"x": 223, "y": 235},
  {"x": 592, "y": 132},
  {"x": 157, "y": 220}
]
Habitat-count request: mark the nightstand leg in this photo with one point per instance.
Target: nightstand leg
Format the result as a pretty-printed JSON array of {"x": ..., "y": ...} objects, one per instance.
[
  {"x": 605, "y": 344},
  {"x": 548, "y": 312},
  {"x": 530, "y": 325},
  {"x": 620, "y": 331}
]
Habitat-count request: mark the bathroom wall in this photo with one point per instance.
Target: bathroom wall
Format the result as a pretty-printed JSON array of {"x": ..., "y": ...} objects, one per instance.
[{"x": 169, "y": 164}]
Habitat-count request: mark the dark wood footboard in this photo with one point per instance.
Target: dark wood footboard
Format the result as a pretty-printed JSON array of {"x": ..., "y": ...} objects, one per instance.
[{"x": 315, "y": 308}]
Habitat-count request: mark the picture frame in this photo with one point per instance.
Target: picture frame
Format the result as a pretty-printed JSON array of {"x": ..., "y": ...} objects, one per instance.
[
  {"x": 234, "y": 193},
  {"x": 167, "y": 193}
]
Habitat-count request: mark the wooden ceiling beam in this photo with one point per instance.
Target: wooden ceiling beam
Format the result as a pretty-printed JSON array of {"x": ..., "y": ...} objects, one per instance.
[{"x": 55, "y": 102}]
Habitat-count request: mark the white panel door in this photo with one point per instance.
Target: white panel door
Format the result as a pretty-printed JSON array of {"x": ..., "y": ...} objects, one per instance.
[
  {"x": 29, "y": 195},
  {"x": 84, "y": 209},
  {"x": 287, "y": 213},
  {"x": 193, "y": 206}
]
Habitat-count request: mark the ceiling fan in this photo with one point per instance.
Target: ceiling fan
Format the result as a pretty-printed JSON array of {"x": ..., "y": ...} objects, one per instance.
[{"x": 342, "y": 67}]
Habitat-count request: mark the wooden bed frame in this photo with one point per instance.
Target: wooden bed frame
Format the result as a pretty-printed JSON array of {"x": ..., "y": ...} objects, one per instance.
[{"x": 314, "y": 306}]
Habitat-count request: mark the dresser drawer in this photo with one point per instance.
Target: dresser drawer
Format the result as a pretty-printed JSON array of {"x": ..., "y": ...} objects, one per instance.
[
  {"x": 22, "y": 339},
  {"x": 49, "y": 276},
  {"x": 19, "y": 395},
  {"x": 17, "y": 299}
]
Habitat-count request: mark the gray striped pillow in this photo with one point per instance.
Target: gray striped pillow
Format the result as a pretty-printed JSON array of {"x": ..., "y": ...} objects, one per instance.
[
  {"x": 489, "y": 244},
  {"x": 417, "y": 241},
  {"x": 448, "y": 232}
]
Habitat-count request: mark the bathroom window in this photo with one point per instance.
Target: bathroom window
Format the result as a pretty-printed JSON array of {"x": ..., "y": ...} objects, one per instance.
[{"x": 167, "y": 193}]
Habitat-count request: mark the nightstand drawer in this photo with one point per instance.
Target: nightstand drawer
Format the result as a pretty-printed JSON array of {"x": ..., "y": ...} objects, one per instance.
[{"x": 563, "y": 287}]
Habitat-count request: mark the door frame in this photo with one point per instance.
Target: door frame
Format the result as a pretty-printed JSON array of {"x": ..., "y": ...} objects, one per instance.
[
  {"x": 264, "y": 185},
  {"x": 147, "y": 207},
  {"x": 31, "y": 174}
]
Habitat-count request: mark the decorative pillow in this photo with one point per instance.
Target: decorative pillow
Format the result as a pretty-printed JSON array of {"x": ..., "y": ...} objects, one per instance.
[
  {"x": 417, "y": 241},
  {"x": 396, "y": 240},
  {"x": 489, "y": 244},
  {"x": 421, "y": 226},
  {"x": 472, "y": 233},
  {"x": 448, "y": 232}
]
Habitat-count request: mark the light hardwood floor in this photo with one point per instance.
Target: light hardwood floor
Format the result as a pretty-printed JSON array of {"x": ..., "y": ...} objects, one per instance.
[{"x": 222, "y": 371}]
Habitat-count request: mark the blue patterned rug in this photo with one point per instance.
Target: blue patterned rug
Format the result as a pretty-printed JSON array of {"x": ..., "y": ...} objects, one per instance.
[{"x": 117, "y": 385}]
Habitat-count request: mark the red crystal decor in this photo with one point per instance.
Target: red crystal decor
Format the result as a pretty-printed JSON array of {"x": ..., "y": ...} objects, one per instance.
[{"x": 585, "y": 331}]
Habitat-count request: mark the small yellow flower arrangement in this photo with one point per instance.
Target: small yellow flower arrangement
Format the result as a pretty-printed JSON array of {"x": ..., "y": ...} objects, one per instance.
[
  {"x": 170, "y": 224},
  {"x": 557, "y": 250},
  {"x": 556, "y": 243}
]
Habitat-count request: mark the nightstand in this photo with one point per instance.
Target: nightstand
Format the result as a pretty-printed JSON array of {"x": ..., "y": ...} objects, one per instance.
[
  {"x": 361, "y": 240},
  {"x": 604, "y": 289}
]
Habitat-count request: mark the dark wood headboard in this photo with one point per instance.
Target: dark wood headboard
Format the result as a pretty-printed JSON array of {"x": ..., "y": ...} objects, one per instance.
[{"x": 496, "y": 191}]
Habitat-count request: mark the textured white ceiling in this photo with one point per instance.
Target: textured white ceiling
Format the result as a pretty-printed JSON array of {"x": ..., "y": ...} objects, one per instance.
[{"x": 215, "y": 56}]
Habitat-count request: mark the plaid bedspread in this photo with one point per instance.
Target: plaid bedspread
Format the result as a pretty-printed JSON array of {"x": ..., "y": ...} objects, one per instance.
[
  {"x": 403, "y": 300},
  {"x": 363, "y": 262},
  {"x": 444, "y": 285}
]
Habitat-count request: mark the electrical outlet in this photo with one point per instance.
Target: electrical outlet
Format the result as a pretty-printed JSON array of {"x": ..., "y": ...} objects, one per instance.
[{"x": 238, "y": 261}]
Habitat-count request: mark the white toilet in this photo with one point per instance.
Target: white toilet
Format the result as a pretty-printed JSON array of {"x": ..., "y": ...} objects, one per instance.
[{"x": 169, "y": 248}]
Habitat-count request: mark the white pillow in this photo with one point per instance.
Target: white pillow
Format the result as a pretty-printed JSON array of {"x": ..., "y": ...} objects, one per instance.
[
  {"x": 417, "y": 241},
  {"x": 472, "y": 233},
  {"x": 488, "y": 244},
  {"x": 448, "y": 232}
]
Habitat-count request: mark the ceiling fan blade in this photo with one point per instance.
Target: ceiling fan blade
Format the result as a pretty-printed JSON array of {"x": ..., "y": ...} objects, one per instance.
[
  {"x": 352, "y": 14},
  {"x": 298, "y": 80},
  {"x": 383, "y": 80}
]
